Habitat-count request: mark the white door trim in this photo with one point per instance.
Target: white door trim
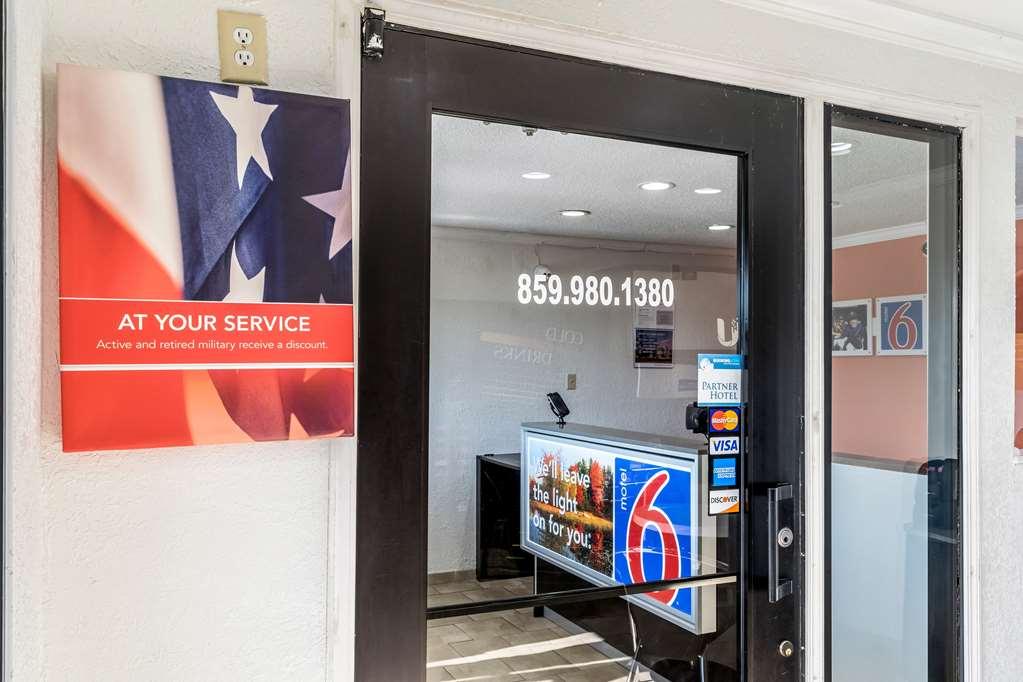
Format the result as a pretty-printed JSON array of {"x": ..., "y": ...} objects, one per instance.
[
  {"x": 548, "y": 36},
  {"x": 903, "y": 24},
  {"x": 342, "y": 459},
  {"x": 514, "y": 29},
  {"x": 970, "y": 373},
  {"x": 813, "y": 402}
]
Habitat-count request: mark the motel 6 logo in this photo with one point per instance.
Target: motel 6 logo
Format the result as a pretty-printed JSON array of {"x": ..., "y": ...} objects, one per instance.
[
  {"x": 903, "y": 325},
  {"x": 653, "y": 538}
]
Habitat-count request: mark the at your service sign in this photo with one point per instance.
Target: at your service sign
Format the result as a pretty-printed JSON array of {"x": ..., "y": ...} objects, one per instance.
[{"x": 205, "y": 262}]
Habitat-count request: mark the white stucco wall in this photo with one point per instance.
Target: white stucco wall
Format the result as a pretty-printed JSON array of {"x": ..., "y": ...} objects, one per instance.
[
  {"x": 176, "y": 564},
  {"x": 228, "y": 562}
]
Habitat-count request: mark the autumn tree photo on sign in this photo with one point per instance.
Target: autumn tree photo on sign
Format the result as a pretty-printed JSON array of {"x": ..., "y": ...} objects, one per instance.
[{"x": 571, "y": 507}]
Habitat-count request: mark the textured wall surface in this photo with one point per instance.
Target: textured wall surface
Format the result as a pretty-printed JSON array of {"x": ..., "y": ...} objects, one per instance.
[
  {"x": 178, "y": 564},
  {"x": 215, "y": 563},
  {"x": 493, "y": 360}
]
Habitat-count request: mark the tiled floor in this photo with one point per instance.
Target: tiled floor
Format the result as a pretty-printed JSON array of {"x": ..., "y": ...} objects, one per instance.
[{"x": 509, "y": 645}]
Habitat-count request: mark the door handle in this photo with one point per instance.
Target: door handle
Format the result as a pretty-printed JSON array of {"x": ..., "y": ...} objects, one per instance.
[{"x": 778, "y": 537}]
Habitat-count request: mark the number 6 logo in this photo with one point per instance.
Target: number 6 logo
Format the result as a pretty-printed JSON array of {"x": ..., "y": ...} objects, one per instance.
[
  {"x": 646, "y": 515},
  {"x": 903, "y": 325},
  {"x": 902, "y": 331}
]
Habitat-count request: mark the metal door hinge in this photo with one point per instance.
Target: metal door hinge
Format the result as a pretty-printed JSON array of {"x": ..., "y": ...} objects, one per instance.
[{"x": 373, "y": 19}]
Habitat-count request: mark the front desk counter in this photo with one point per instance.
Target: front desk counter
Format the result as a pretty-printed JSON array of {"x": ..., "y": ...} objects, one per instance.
[{"x": 672, "y": 650}]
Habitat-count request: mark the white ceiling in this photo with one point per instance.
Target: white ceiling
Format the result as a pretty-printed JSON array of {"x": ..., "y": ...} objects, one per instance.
[
  {"x": 477, "y": 183},
  {"x": 880, "y": 183}
]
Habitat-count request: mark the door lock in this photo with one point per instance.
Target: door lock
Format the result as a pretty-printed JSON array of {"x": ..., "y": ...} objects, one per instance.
[
  {"x": 786, "y": 649},
  {"x": 777, "y": 536}
]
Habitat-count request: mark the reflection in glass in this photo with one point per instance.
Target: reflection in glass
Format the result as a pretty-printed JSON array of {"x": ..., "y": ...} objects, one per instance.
[
  {"x": 893, "y": 402},
  {"x": 1017, "y": 429},
  {"x": 569, "y": 645},
  {"x": 598, "y": 269}
]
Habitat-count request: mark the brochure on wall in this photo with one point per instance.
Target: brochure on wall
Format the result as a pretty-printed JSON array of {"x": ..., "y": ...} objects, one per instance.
[
  {"x": 653, "y": 327},
  {"x": 653, "y": 347},
  {"x": 651, "y": 317},
  {"x": 205, "y": 262}
]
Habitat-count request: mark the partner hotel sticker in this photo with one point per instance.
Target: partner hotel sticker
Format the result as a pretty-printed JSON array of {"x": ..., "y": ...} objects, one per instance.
[{"x": 720, "y": 379}]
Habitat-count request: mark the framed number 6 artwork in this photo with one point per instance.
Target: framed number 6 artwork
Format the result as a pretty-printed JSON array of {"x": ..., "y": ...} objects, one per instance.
[{"x": 903, "y": 325}]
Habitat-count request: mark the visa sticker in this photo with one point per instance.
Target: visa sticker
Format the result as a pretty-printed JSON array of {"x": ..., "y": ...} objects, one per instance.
[
  {"x": 724, "y": 445},
  {"x": 724, "y": 420}
]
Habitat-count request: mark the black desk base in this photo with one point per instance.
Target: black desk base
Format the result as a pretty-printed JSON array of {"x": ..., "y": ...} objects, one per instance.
[{"x": 498, "y": 554}]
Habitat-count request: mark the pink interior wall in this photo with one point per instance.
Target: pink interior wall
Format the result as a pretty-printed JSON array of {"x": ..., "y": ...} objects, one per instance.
[
  {"x": 879, "y": 403},
  {"x": 1018, "y": 426}
]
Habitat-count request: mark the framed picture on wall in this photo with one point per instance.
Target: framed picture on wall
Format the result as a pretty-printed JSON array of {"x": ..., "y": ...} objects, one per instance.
[
  {"x": 851, "y": 324},
  {"x": 653, "y": 347},
  {"x": 903, "y": 329}
]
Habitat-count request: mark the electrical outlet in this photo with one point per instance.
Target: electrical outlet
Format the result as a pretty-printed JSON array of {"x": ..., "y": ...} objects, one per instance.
[
  {"x": 243, "y": 47},
  {"x": 244, "y": 58},
  {"x": 242, "y": 35}
]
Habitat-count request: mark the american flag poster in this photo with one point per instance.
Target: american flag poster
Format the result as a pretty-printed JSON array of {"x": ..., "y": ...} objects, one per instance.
[{"x": 205, "y": 262}]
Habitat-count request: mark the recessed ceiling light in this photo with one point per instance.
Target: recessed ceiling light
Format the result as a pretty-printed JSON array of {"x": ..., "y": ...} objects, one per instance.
[
  {"x": 707, "y": 190},
  {"x": 840, "y": 148},
  {"x": 536, "y": 175},
  {"x": 574, "y": 212},
  {"x": 657, "y": 185},
  {"x": 717, "y": 228}
]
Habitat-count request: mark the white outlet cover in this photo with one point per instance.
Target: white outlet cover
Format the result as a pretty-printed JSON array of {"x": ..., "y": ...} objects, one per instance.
[{"x": 242, "y": 42}]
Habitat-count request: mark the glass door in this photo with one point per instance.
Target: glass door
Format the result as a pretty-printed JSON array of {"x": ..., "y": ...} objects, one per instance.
[
  {"x": 598, "y": 269},
  {"x": 557, "y": 259},
  {"x": 893, "y": 499}
]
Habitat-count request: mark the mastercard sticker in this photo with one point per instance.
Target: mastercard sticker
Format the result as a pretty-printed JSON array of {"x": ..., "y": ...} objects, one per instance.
[{"x": 725, "y": 420}]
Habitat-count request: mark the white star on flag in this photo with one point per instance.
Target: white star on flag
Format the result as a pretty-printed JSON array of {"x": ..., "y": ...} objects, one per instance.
[
  {"x": 240, "y": 288},
  {"x": 338, "y": 205},
  {"x": 248, "y": 118}
]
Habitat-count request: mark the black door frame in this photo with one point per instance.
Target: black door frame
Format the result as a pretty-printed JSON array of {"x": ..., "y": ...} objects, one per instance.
[{"x": 422, "y": 72}]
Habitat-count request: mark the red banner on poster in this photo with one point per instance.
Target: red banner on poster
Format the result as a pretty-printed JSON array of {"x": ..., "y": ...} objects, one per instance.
[{"x": 130, "y": 332}]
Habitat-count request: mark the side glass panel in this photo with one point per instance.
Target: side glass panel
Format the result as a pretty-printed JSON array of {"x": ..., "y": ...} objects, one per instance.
[
  {"x": 894, "y": 474},
  {"x": 596, "y": 269},
  {"x": 1017, "y": 427}
]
